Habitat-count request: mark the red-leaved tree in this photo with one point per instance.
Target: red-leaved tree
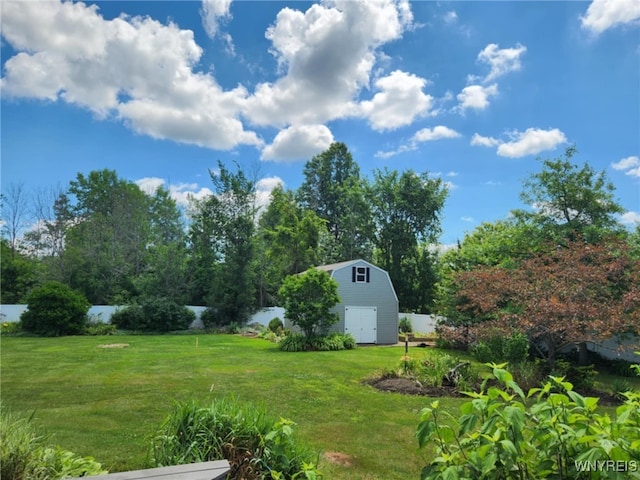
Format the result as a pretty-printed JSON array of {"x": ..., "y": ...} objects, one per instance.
[{"x": 570, "y": 294}]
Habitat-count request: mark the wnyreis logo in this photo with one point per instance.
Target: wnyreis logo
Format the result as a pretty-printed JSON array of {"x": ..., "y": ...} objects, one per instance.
[{"x": 607, "y": 466}]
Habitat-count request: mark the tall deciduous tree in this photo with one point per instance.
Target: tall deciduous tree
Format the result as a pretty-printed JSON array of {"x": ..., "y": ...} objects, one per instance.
[
  {"x": 222, "y": 232},
  {"x": 16, "y": 215},
  {"x": 569, "y": 200},
  {"x": 334, "y": 191},
  {"x": 290, "y": 242},
  {"x": 406, "y": 211},
  {"x": 106, "y": 247},
  {"x": 571, "y": 294}
]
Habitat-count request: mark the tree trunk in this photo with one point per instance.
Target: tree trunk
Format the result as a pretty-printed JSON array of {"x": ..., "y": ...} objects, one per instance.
[{"x": 583, "y": 354}]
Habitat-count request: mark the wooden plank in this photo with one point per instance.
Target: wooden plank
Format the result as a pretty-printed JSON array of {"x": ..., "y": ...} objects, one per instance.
[{"x": 216, "y": 470}]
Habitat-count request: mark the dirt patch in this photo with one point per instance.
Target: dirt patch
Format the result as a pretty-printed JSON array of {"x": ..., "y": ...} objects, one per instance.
[
  {"x": 410, "y": 387},
  {"x": 338, "y": 458},
  {"x": 114, "y": 345}
]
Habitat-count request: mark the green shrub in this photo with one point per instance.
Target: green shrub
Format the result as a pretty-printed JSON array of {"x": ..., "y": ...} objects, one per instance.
[
  {"x": 23, "y": 455},
  {"x": 55, "y": 309},
  {"x": 503, "y": 433},
  {"x": 621, "y": 368},
  {"x": 256, "y": 445},
  {"x": 97, "y": 328},
  {"x": 210, "y": 318},
  {"x": 298, "y": 342},
  {"x": 154, "y": 315},
  {"x": 582, "y": 377},
  {"x": 164, "y": 315},
  {"x": 404, "y": 325},
  {"x": 434, "y": 366},
  {"x": 276, "y": 325},
  {"x": 497, "y": 348},
  {"x": 130, "y": 318},
  {"x": 10, "y": 328},
  {"x": 295, "y": 342}
]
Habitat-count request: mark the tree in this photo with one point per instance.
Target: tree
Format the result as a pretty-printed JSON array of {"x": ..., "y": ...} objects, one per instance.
[
  {"x": 406, "y": 213},
  {"x": 165, "y": 265},
  {"x": 54, "y": 309},
  {"x": 15, "y": 213},
  {"x": 105, "y": 248},
  {"x": 568, "y": 295},
  {"x": 290, "y": 240},
  {"x": 307, "y": 299},
  {"x": 19, "y": 274},
  {"x": 334, "y": 191},
  {"x": 570, "y": 201},
  {"x": 222, "y": 232}
]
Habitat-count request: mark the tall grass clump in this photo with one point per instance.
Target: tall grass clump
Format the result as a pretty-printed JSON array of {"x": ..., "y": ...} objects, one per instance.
[
  {"x": 256, "y": 445},
  {"x": 24, "y": 455}
]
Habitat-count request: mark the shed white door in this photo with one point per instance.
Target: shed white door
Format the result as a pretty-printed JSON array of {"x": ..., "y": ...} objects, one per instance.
[{"x": 361, "y": 322}]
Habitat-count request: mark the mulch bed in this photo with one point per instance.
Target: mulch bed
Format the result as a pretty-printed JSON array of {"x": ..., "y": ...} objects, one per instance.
[{"x": 407, "y": 386}]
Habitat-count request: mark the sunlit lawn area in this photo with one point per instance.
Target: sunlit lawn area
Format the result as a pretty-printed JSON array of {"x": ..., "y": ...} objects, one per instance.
[{"x": 103, "y": 402}]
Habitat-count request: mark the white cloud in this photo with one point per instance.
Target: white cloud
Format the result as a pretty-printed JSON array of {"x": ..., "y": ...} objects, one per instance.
[
  {"x": 424, "y": 135},
  {"x": 212, "y": 12},
  {"x": 452, "y": 174},
  {"x": 131, "y": 68},
  {"x": 630, "y": 218},
  {"x": 625, "y": 163},
  {"x": 479, "y": 140},
  {"x": 149, "y": 185},
  {"x": 450, "y": 17},
  {"x": 181, "y": 192},
  {"x": 476, "y": 96},
  {"x": 529, "y": 142},
  {"x": 467, "y": 219},
  {"x": 298, "y": 143},
  {"x": 399, "y": 101},
  {"x": 634, "y": 172},
  {"x": 264, "y": 187},
  {"x": 327, "y": 54},
  {"x": 501, "y": 60},
  {"x": 435, "y": 133},
  {"x": 605, "y": 14}
]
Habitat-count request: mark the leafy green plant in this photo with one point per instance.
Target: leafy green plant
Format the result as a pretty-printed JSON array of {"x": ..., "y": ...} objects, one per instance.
[
  {"x": 10, "y": 328},
  {"x": 434, "y": 367},
  {"x": 54, "y": 309},
  {"x": 404, "y": 325},
  {"x": 24, "y": 455},
  {"x": 498, "y": 348},
  {"x": 256, "y": 445},
  {"x": 297, "y": 342},
  {"x": 154, "y": 315},
  {"x": 504, "y": 434},
  {"x": 97, "y": 328},
  {"x": 276, "y": 325}
]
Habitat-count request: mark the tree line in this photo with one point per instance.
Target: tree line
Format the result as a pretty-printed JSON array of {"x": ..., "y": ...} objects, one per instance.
[{"x": 107, "y": 239}]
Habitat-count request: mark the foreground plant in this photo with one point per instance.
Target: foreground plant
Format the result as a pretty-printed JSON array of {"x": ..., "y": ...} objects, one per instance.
[
  {"x": 552, "y": 432},
  {"x": 24, "y": 455},
  {"x": 256, "y": 446}
]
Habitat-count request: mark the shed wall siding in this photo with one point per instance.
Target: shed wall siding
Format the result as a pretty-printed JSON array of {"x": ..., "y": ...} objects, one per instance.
[{"x": 377, "y": 293}]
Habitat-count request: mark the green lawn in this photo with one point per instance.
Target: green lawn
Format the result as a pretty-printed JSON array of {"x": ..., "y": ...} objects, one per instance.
[{"x": 103, "y": 402}]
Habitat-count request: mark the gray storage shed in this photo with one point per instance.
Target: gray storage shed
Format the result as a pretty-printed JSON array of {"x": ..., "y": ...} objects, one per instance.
[{"x": 369, "y": 305}]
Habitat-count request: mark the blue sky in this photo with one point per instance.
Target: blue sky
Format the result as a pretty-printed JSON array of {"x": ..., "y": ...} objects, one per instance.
[{"x": 472, "y": 92}]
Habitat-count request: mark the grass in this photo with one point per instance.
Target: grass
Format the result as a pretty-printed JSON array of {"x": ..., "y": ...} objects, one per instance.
[{"x": 104, "y": 402}]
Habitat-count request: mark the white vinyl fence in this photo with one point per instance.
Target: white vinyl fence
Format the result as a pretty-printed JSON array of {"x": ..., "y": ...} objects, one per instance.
[{"x": 102, "y": 313}]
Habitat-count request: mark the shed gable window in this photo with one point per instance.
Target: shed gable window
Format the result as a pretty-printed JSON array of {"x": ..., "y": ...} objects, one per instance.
[{"x": 360, "y": 274}]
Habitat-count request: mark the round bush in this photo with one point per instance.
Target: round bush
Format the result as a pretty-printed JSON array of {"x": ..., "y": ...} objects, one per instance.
[
  {"x": 163, "y": 315},
  {"x": 54, "y": 309},
  {"x": 129, "y": 318},
  {"x": 154, "y": 315},
  {"x": 276, "y": 325}
]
